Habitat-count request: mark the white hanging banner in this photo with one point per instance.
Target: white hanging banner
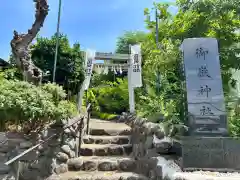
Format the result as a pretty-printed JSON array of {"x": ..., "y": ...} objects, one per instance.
[
  {"x": 89, "y": 58},
  {"x": 135, "y": 64},
  {"x": 120, "y": 69},
  {"x": 105, "y": 71}
]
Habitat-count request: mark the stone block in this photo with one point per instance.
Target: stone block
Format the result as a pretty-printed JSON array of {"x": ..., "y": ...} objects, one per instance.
[
  {"x": 3, "y": 157},
  {"x": 108, "y": 166},
  {"x": 202, "y": 142},
  {"x": 26, "y": 145},
  {"x": 149, "y": 142},
  {"x": 62, "y": 157},
  {"x": 217, "y": 159},
  {"x": 176, "y": 148},
  {"x": 71, "y": 143},
  {"x": 14, "y": 135},
  {"x": 90, "y": 166},
  {"x": 150, "y": 128},
  {"x": 4, "y": 169},
  {"x": 66, "y": 149},
  {"x": 231, "y": 144},
  {"x": 128, "y": 165},
  {"x": 162, "y": 145},
  {"x": 167, "y": 166},
  {"x": 62, "y": 168},
  {"x": 75, "y": 164},
  {"x": 67, "y": 131},
  {"x": 3, "y": 136},
  {"x": 30, "y": 156},
  {"x": 232, "y": 160},
  {"x": 6, "y": 148},
  {"x": 211, "y": 153}
]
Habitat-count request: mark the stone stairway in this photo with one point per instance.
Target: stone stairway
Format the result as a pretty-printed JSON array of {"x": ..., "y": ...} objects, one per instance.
[{"x": 105, "y": 154}]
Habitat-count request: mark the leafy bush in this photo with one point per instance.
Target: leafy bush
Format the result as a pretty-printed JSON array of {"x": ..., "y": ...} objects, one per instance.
[
  {"x": 11, "y": 74},
  {"x": 234, "y": 118},
  {"x": 31, "y": 107},
  {"x": 104, "y": 116},
  {"x": 57, "y": 92},
  {"x": 111, "y": 98}
]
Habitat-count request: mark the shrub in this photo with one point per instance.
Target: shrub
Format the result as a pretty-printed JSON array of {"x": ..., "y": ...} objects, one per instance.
[
  {"x": 11, "y": 74},
  {"x": 104, "y": 116},
  {"x": 234, "y": 118},
  {"x": 111, "y": 98},
  {"x": 57, "y": 92},
  {"x": 31, "y": 107}
]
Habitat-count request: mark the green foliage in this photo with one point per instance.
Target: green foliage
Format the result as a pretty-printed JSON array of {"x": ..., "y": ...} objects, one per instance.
[
  {"x": 57, "y": 92},
  {"x": 11, "y": 74},
  {"x": 104, "y": 116},
  {"x": 129, "y": 38},
  {"x": 208, "y": 18},
  {"x": 111, "y": 98},
  {"x": 109, "y": 93},
  {"x": 31, "y": 107},
  {"x": 99, "y": 79},
  {"x": 234, "y": 118},
  {"x": 69, "y": 71}
]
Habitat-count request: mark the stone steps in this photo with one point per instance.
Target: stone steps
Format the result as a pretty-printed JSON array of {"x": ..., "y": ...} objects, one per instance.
[
  {"x": 105, "y": 149},
  {"x": 104, "y": 154},
  {"x": 111, "y": 175},
  {"x": 102, "y": 163},
  {"x": 106, "y": 139},
  {"x": 106, "y": 132},
  {"x": 106, "y": 128}
]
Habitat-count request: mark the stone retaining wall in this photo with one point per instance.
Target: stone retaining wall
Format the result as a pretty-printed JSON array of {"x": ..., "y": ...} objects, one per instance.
[
  {"x": 49, "y": 158},
  {"x": 155, "y": 153}
]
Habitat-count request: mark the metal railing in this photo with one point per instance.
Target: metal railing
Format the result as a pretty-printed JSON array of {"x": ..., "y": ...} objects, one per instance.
[{"x": 89, "y": 107}]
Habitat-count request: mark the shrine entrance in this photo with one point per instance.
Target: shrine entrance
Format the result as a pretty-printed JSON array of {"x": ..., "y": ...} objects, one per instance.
[{"x": 128, "y": 63}]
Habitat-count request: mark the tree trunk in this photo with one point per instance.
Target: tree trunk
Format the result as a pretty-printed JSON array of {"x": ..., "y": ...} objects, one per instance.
[{"x": 20, "y": 45}]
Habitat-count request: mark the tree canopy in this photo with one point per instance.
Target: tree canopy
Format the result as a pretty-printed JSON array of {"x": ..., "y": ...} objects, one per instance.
[
  {"x": 209, "y": 18},
  {"x": 129, "y": 38},
  {"x": 69, "y": 70}
]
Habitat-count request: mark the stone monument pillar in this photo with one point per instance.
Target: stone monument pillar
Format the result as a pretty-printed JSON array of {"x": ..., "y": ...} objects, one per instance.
[{"x": 205, "y": 98}]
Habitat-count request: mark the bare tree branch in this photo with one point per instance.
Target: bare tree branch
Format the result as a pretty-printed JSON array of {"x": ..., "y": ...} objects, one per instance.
[{"x": 20, "y": 45}]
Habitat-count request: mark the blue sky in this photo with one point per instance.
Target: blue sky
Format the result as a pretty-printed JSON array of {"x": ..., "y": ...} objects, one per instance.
[{"x": 96, "y": 24}]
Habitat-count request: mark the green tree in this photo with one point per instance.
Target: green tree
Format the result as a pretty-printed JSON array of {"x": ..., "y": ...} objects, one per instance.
[
  {"x": 209, "y": 18},
  {"x": 129, "y": 38},
  {"x": 69, "y": 71}
]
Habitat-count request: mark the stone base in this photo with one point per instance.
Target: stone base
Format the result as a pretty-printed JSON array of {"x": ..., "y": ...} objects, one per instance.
[{"x": 201, "y": 175}]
